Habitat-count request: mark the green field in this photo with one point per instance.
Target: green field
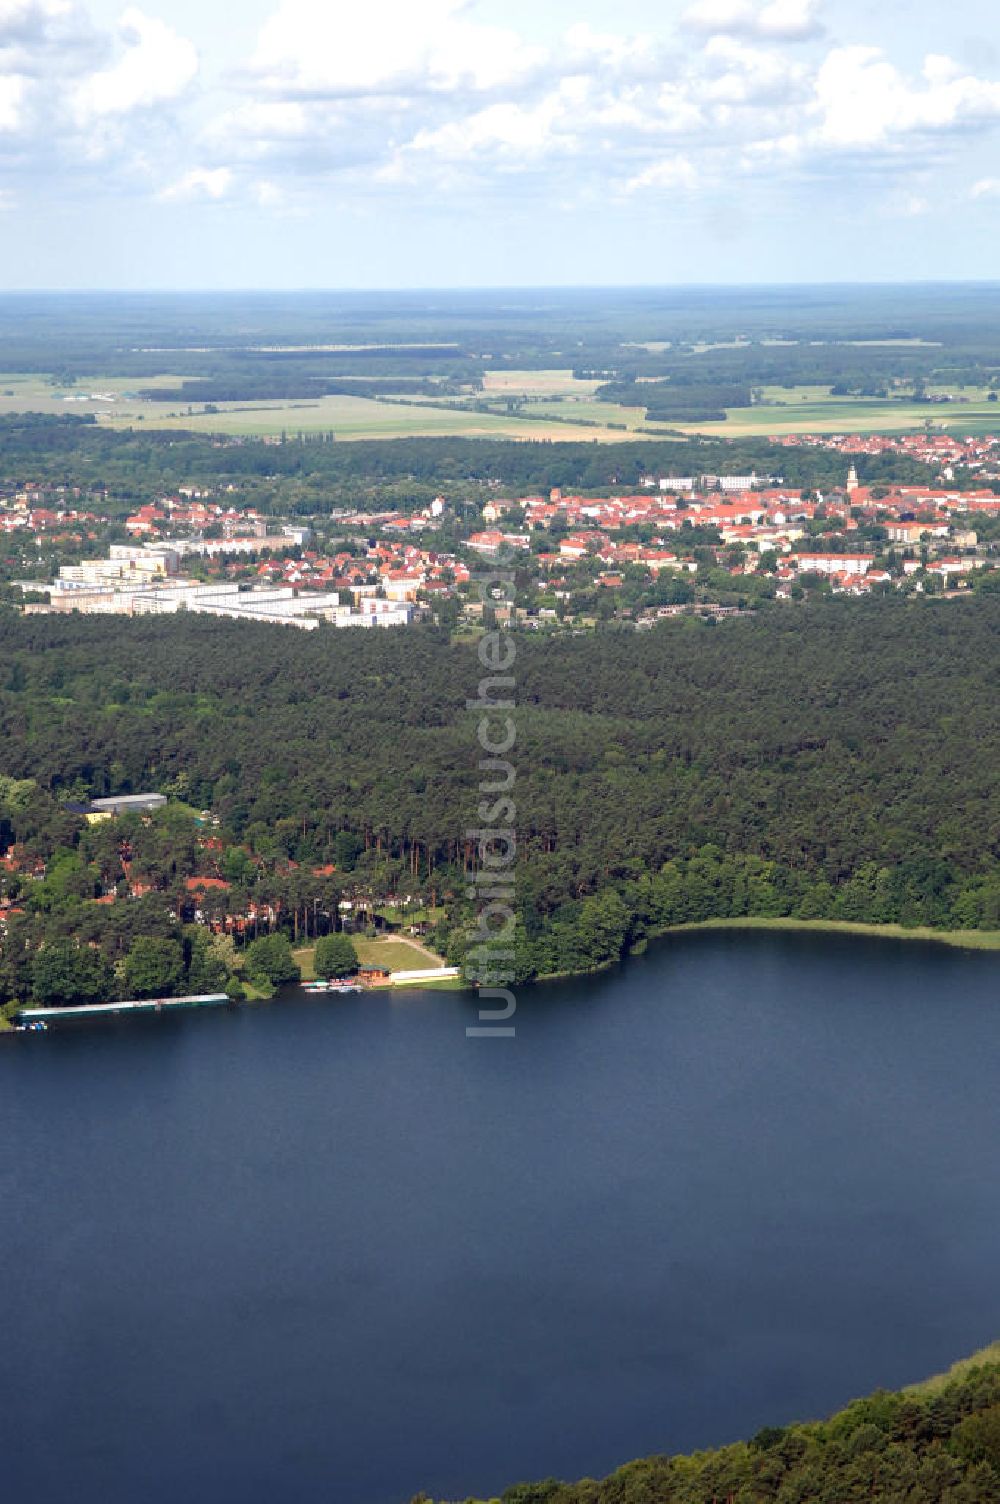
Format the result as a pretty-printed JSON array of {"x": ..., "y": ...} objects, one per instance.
[
  {"x": 556, "y": 406},
  {"x": 560, "y": 383},
  {"x": 811, "y": 409},
  {"x": 347, "y": 417},
  {"x": 21, "y": 393},
  {"x": 391, "y": 954},
  {"x": 588, "y": 411}
]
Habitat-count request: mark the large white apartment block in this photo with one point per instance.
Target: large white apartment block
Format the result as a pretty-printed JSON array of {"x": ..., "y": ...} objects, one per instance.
[{"x": 834, "y": 563}]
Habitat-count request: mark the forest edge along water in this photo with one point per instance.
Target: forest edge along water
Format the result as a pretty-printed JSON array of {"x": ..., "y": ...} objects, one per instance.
[{"x": 447, "y": 978}]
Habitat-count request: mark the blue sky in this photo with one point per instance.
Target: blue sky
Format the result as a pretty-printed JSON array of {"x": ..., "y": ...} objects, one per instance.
[{"x": 316, "y": 143}]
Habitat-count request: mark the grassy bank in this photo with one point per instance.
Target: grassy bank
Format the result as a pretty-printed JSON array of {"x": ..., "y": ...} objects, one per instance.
[
  {"x": 392, "y": 953},
  {"x": 964, "y": 939},
  {"x": 986, "y": 1357}
]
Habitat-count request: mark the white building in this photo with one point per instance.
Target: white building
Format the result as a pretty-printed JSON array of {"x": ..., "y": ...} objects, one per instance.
[{"x": 857, "y": 564}]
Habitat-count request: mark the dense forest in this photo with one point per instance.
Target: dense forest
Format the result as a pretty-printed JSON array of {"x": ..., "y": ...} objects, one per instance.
[
  {"x": 937, "y": 1444},
  {"x": 763, "y": 335},
  {"x": 833, "y": 762}
]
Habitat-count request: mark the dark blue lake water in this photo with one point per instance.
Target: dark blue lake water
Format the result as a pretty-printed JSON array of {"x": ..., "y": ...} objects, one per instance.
[{"x": 331, "y": 1250}]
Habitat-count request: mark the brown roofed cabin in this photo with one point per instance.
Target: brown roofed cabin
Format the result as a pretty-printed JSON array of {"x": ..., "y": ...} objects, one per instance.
[{"x": 373, "y": 976}]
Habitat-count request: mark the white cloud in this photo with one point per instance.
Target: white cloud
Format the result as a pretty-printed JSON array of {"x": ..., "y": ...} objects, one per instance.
[
  {"x": 25, "y": 21},
  {"x": 200, "y": 182},
  {"x": 12, "y": 91},
  {"x": 157, "y": 65},
  {"x": 509, "y": 130},
  {"x": 341, "y": 103},
  {"x": 313, "y": 47},
  {"x": 668, "y": 174},
  {"x": 864, "y": 101},
  {"x": 740, "y": 74},
  {"x": 789, "y": 20},
  {"x": 609, "y": 50},
  {"x": 716, "y": 17},
  {"x": 778, "y": 21}
]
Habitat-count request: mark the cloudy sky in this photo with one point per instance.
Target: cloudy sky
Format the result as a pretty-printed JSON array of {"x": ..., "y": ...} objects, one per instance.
[{"x": 320, "y": 143}]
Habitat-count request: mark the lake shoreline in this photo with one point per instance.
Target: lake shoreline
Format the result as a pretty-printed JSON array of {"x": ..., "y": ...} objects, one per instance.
[
  {"x": 973, "y": 940},
  {"x": 958, "y": 939},
  {"x": 970, "y": 940}
]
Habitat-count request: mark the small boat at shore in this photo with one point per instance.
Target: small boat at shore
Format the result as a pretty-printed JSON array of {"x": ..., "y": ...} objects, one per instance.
[{"x": 334, "y": 986}]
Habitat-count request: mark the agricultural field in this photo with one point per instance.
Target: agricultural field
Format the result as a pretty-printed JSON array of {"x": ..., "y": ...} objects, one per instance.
[
  {"x": 560, "y": 383},
  {"x": 560, "y": 396},
  {"x": 783, "y": 410},
  {"x": 102, "y": 396},
  {"x": 524, "y": 404},
  {"x": 586, "y": 411},
  {"x": 115, "y": 403},
  {"x": 812, "y": 410},
  {"x": 365, "y": 418}
]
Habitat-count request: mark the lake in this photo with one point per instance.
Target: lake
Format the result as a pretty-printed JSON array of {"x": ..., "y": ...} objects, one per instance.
[{"x": 332, "y": 1250}]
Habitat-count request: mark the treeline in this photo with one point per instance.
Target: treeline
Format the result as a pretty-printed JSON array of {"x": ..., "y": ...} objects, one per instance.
[
  {"x": 288, "y": 385},
  {"x": 835, "y": 761},
  {"x": 313, "y": 476},
  {"x": 853, "y": 366},
  {"x": 813, "y": 335},
  {"x": 588, "y": 934},
  {"x": 677, "y": 401},
  {"x": 936, "y": 1445}
]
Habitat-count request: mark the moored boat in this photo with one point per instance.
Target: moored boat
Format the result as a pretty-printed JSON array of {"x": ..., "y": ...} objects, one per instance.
[{"x": 331, "y": 986}]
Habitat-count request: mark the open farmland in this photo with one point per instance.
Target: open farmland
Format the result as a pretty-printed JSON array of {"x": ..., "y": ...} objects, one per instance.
[
  {"x": 544, "y": 404},
  {"x": 366, "y": 418},
  {"x": 115, "y": 402},
  {"x": 561, "y": 383},
  {"x": 101, "y": 396},
  {"x": 813, "y": 410}
]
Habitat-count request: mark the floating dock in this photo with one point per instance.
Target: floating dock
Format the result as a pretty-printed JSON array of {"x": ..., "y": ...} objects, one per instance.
[
  {"x": 101, "y": 1010},
  {"x": 428, "y": 974}
]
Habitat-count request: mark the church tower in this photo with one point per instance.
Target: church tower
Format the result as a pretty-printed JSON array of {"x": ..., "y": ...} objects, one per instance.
[{"x": 852, "y": 480}]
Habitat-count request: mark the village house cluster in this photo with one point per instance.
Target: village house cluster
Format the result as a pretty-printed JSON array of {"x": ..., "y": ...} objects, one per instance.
[
  {"x": 947, "y": 453},
  {"x": 46, "y": 512},
  {"x": 771, "y": 530},
  {"x": 207, "y": 553}
]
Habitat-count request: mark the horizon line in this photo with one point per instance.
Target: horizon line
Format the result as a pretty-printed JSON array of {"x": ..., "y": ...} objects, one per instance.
[{"x": 262, "y": 290}]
